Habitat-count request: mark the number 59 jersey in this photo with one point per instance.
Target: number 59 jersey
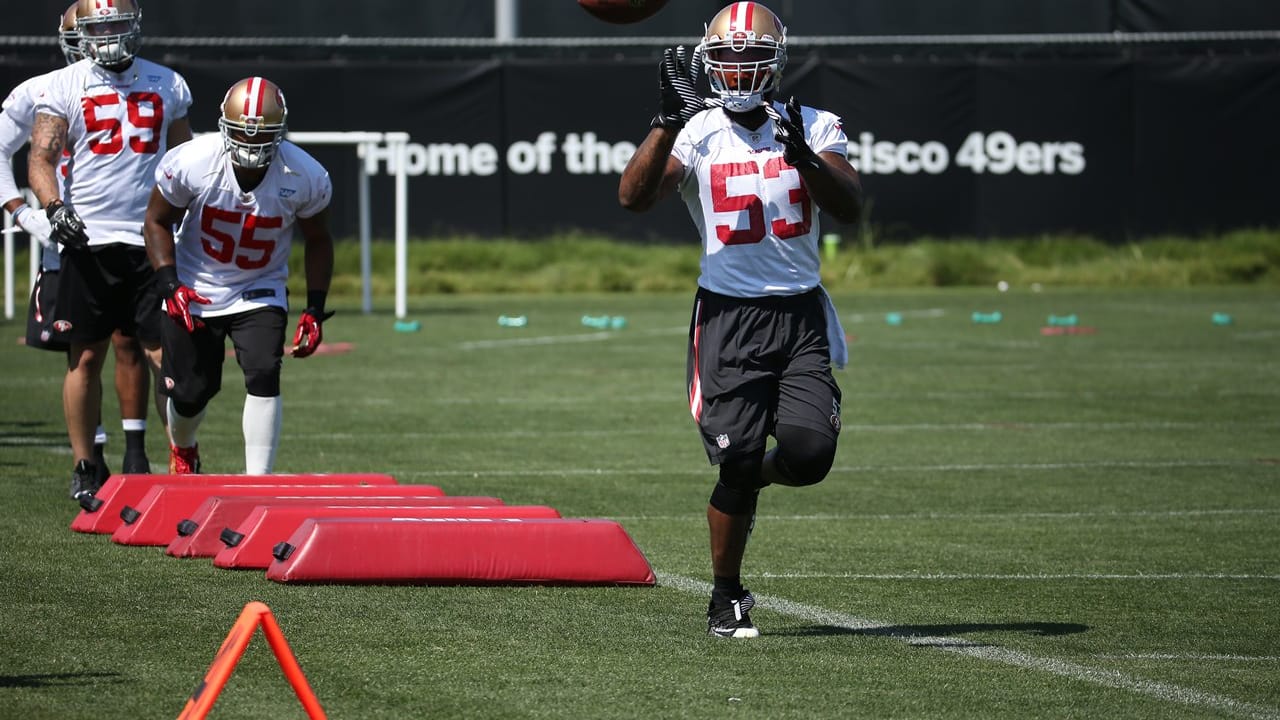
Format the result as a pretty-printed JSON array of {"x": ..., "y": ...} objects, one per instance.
[
  {"x": 117, "y": 130},
  {"x": 233, "y": 246},
  {"x": 759, "y": 226}
]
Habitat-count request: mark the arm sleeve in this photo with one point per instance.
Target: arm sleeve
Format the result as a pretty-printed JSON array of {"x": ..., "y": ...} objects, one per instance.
[
  {"x": 319, "y": 197},
  {"x": 683, "y": 151},
  {"x": 12, "y": 137},
  {"x": 15, "y": 131},
  {"x": 827, "y": 134},
  {"x": 171, "y": 179},
  {"x": 182, "y": 96}
]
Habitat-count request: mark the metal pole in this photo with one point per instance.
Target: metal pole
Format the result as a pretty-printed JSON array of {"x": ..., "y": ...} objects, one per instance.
[
  {"x": 37, "y": 250},
  {"x": 8, "y": 266},
  {"x": 398, "y": 143},
  {"x": 506, "y": 20},
  {"x": 366, "y": 250}
]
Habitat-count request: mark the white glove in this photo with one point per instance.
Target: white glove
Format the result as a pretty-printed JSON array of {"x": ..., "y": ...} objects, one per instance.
[{"x": 34, "y": 223}]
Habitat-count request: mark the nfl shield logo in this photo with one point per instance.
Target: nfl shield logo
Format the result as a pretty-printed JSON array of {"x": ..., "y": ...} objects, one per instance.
[{"x": 722, "y": 440}]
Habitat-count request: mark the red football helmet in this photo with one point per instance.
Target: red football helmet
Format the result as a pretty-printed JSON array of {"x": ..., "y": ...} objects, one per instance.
[{"x": 744, "y": 50}]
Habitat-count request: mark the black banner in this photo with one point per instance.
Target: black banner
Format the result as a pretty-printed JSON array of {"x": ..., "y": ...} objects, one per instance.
[{"x": 1112, "y": 146}]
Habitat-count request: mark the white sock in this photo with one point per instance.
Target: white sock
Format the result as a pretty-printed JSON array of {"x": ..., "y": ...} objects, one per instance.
[
  {"x": 182, "y": 429},
  {"x": 262, "y": 417}
]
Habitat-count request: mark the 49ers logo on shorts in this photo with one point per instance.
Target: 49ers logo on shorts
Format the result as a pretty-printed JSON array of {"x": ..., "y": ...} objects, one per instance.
[{"x": 62, "y": 326}]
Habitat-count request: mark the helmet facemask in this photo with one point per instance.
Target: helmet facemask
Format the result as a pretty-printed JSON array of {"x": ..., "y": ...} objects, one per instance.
[
  {"x": 69, "y": 37},
  {"x": 744, "y": 50},
  {"x": 111, "y": 40},
  {"x": 253, "y": 122}
]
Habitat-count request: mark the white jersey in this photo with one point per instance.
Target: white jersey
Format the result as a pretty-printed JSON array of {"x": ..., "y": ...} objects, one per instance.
[
  {"x": 17, "y": 114},
  {"x": 117, "y": 131},
  {"x": 233, "y": 247},
  {"x": 759, "y": 226}
]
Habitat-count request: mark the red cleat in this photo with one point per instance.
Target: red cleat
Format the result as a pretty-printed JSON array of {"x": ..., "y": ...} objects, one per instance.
[{"x": 184, "y": 461}]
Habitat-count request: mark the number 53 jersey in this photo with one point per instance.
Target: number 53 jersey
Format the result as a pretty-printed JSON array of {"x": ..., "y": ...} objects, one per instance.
[
  {"x": 759, "y": 226},
  {"x": 117, "y": 130},
  {"x": 233, "y": 246}
]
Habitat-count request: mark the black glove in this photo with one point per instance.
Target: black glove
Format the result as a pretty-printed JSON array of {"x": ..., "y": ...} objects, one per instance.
[
  {"x": 65, "y": 226},
  {"x": 678, "y": 96},
  {"x": 790, "y": 132}
]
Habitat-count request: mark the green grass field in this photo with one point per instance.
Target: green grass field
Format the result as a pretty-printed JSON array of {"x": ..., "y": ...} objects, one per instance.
[{"x": 1016, "y": 526}]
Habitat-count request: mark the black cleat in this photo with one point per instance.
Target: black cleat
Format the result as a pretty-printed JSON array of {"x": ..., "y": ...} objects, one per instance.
[
  {"x": 102, "y": 474},
  {"x": 730, "y": 618},
  {"x": 84, "y": 480},
  {"x": 136, "y": 464}
]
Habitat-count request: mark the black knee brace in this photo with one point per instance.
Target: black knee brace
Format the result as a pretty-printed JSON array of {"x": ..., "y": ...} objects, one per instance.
[
  {"x": 803, "y": 456},
  {"x": 739, "y": 485},
  {"x": 188, "y": 410},
  {"x": 263, "y": 382}
]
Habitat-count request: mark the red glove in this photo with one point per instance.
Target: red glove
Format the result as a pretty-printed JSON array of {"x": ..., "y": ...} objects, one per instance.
[
  {"x": 178, "y": 298},
  {"x": 309, "y": 334}
]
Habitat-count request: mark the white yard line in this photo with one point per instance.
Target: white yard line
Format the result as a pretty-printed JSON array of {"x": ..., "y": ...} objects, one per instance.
[
  {"x": 1014, "y": 576},
  {"x": 845, "y": 517},
  {"x": 879, "y": 317},
  {"x": 540, "y": 340},
  {"x": 1191, "y": 657},
  {"x": 572, "y": 338},
  {"x": 982, "y": 651},
  {"x": 573, "y": 472}
]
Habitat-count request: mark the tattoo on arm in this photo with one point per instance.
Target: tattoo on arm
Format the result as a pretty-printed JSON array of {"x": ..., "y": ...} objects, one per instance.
[{"x": 48, "y": 137}]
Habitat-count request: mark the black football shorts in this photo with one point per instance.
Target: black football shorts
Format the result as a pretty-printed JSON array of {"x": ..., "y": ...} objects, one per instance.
[
  {"x": 191, "y": 363},
  {"x": 43, "y": 331},
  {"x": 105, "y": 288},
  {"x": 756, "y": 363}
]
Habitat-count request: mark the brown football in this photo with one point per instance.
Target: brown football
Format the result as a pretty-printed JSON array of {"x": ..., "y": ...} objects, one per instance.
[{"x": 622, "y": 12}]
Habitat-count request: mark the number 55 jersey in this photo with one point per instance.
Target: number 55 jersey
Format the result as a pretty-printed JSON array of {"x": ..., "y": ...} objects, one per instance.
[
  {"x": 758, "y": 224},
  {"x": 117, "y": 130},
  {"x": 233, "y": 246}
]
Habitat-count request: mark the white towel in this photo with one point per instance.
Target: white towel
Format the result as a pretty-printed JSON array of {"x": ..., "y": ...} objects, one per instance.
[{"x": 835, "y": 332}]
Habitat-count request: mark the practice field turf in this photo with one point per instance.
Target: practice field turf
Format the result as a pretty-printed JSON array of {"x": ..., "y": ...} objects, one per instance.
[{"x": 1017, "y": 525}]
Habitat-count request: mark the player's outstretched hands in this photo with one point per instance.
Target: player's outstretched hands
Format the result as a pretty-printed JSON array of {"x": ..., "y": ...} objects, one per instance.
[
  {"x": 65, "y": 226},
  {"x": 678, "y": 94},
  {"x": 789, "y": 131},
  {"x": 309, "y": 334},
  {"x": 33, "y": 223},
  {"x": 178, "y": 298}
]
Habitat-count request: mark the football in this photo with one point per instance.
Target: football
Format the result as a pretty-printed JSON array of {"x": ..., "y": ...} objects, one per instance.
[{"x": 622, "y": 12}]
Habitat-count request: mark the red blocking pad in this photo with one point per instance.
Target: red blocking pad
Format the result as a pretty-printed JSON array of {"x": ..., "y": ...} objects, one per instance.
[
  {"x": 154, "y": 521},
  {"x": 249, "y": 544},
  {"x": 460, "y": 551},
  {"x": 200, "y": 534},
  {"x": 121, "y": 490}
]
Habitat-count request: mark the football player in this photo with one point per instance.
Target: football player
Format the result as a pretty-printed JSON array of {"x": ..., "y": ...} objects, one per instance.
[
  {"x": 754, "y": 173},
  {"x": 235, "y": 197},
  {"x": 116, "y": 114},
  {"x": 42, "y": 332}
]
